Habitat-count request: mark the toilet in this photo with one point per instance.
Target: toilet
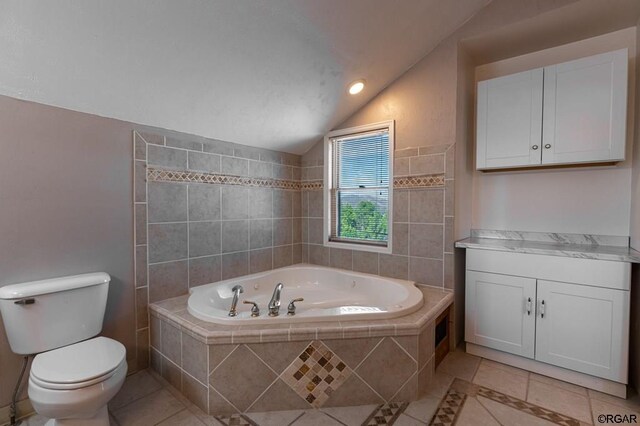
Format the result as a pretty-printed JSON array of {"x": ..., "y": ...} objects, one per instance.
[{"x": 74, "y": 374}]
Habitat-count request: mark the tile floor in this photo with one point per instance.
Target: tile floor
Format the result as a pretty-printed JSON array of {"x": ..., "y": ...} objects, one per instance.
[{"x": 469, "y": 391}]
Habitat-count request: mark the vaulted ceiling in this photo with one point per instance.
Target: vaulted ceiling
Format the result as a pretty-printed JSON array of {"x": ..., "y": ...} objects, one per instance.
[{"x": 267, "y": 73}]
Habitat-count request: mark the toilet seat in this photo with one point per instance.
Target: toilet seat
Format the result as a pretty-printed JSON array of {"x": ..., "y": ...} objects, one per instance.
[{"x": 79, "y": 365}]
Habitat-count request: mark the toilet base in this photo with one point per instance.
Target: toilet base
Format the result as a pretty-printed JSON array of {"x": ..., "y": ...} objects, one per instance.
[{"x": 101, "y": 418}]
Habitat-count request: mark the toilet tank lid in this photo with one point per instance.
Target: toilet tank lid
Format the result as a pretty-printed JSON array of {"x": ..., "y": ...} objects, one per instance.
[{"x": 53, "y": 285}]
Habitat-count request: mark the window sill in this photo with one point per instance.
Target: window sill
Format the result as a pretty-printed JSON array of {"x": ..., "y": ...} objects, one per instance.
[{"x": 359, "y": 247}]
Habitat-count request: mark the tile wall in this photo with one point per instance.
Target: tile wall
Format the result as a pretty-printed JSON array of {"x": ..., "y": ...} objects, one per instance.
[
  {"x": 274, "y": 376},
  {"x": 208, "y": 210},
  {"x": 422, "y": 214},
  {"x": 245, "y": 219}
]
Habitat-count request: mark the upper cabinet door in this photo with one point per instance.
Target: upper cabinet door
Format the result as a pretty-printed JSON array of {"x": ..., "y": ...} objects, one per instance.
[
  {"x": 585, "y": 110},
  {"x": 509, "y": 120}
]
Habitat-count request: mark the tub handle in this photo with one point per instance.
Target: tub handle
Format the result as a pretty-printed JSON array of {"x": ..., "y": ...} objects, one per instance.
[
  {"x": 255, "y": 310},
  {"x": 291, "y": 309}
]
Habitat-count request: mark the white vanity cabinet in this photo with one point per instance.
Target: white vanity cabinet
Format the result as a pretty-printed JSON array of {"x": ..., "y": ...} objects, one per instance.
[
  {"x": 569, "y": 113},
  {"x": 583, "y": 328},
  {"x": 565, "y": 312},
  {"x": 499, "y": 312}
]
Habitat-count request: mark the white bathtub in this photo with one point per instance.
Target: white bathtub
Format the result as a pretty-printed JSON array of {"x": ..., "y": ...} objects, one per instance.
[{"x": 329, "y": 295}]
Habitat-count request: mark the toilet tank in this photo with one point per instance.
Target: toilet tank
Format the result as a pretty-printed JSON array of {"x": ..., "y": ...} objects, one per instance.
[{"x": 42, "y": 315}]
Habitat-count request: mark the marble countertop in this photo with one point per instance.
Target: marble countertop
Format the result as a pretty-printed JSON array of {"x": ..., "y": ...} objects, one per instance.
[{"x": 583, "y": 251}]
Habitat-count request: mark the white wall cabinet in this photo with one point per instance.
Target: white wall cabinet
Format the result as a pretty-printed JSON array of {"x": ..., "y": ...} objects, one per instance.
[
  {"x": 569, "y": 113},
  {"x": 510, "y": 120},
  {"x": 581, "y": 325}
]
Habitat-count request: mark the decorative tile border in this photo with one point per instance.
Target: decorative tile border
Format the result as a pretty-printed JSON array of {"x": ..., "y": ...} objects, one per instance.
[
  {"x": 161, "y": 175},
  {"x": 311, "y": 185},
  {"x": 385, "y": 414},
  {"x": 236, "y": 420},
  {"x": 424, "y": 181},
  {"x": 449, "y": 409},
  {"x": 451, "y": 405},
  {"x": 527, "y": 407}
]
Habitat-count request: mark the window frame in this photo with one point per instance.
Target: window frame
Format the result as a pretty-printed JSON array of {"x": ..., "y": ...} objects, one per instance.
[{"x": 327, "y": 186}]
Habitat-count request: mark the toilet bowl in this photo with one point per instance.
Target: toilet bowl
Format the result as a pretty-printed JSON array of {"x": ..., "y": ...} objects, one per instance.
[
  {"x": 73, "y": 384},
  {"x": 74, "y": 374}
]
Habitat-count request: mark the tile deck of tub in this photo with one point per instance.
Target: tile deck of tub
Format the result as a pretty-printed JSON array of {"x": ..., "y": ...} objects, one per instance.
[{"x": 175, "y": 310}]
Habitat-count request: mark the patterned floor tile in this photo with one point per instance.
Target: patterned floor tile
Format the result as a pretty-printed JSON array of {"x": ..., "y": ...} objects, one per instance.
[
  {"x": 449, "y": 408},
  {"x": 385, "y": 414},
  {"x": 236, "y": 420},
  {"x": 452, "y": 404}
]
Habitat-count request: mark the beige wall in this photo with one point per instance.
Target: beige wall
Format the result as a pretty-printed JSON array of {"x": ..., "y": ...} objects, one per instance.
[
  {"x": 65, "y": 208},
  {"x": 433, "y": 104},
  {"x": 634, "y": 344},
  {"x": 567, "y": 200}
]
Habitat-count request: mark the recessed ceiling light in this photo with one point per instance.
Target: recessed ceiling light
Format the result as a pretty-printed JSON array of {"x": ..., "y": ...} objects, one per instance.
[{"x": 356, "y": 87}]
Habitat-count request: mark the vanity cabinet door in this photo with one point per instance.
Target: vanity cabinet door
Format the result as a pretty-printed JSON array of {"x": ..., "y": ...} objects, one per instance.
[
  {"x": 583, "y": 328},
  {"x": 585, "y": 109},
  {"x": 500, "y": 312},
  {"x": 509, "y": 121}
]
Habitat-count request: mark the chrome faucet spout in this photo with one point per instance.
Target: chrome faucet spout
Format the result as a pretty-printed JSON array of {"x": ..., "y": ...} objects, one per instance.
[
  {"x": 274, "y": 303},
  {"x": 237, "y": 289}
]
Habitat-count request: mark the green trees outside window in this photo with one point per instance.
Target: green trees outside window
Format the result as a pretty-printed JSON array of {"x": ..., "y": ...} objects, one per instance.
[{"x": 363, "y": 221}]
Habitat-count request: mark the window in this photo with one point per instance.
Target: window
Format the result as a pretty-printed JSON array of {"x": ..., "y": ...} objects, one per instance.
[{"x": 358, "y": 185}]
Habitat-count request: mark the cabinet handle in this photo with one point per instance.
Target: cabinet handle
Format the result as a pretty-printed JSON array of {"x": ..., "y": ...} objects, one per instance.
[
  {"x": 547, "y": 146},
  {"x": 534, "y": 147},
  {"x": 529, "y": 306},
  {"x": 542, "y": 309}
]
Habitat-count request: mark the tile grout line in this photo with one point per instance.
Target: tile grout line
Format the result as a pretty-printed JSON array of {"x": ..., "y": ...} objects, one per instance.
[
  {"x": 113, "y": 412},
  {"x": 146, "y": 225},
  {"x": 223, "y": 360},
  {"x": 591, "y": 412},
  {"x": 188, "y": 242},
  {"x": 405, "y": 351},
  {"x": 486, "y": 409},
  {"x": 297, "y": 418}
]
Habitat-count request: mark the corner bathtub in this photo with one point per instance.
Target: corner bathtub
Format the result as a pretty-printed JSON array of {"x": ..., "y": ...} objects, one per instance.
[{"x": 329, "y": 295}]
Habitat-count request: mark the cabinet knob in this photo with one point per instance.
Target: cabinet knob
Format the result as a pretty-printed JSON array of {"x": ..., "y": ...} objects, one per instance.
[
  {"x": 534, "y": 147},
  {"x": 547, "y": 146}
]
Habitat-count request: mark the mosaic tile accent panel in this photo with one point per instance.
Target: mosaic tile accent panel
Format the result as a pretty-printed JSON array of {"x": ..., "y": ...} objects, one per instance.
[
  {"x": 385, "y": 414},
  {"x": 316, "y": 373},
  {"x": 161, "y": 175}
]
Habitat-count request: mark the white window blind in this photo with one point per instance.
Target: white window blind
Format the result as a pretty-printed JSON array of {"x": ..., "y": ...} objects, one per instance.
[{"x": 359, "y": 193}]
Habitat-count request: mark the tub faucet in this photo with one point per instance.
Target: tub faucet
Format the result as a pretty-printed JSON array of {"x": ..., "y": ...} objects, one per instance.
[
  {"x": 274, "y": 303},
  {"x": 237, "y": 289}
]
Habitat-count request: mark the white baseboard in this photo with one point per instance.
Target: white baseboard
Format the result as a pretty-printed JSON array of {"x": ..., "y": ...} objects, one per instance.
[{"x": 580, "y": 379}]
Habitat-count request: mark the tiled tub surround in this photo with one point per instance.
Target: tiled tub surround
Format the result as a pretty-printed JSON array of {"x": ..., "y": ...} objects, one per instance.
[
  {"x": 193, "y": 229},
  {"x": 422, "y": 213},
  {"x": 229, "y": 369}
]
